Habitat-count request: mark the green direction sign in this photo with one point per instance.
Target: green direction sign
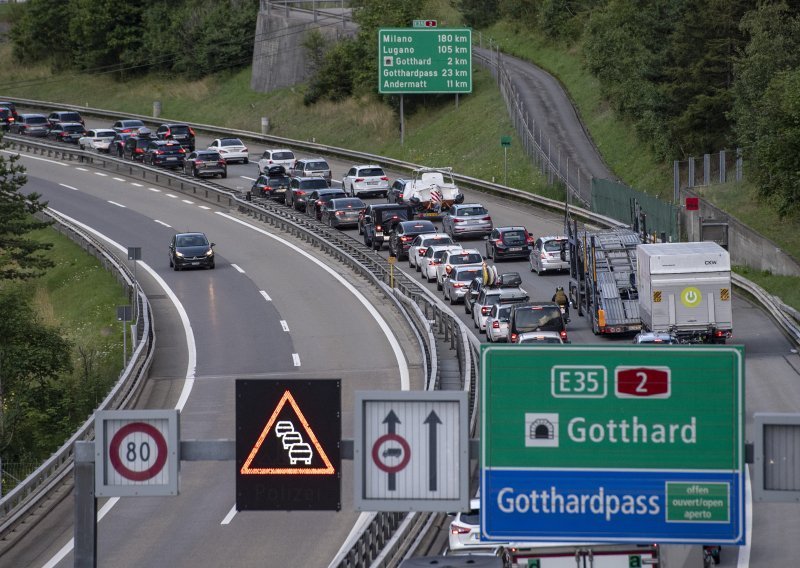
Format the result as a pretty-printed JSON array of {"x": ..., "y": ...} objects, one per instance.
[
  {"x": 505, "y": 141},
  {"x": 613, "y": 407},
  {"x": 432, "y": 60}
]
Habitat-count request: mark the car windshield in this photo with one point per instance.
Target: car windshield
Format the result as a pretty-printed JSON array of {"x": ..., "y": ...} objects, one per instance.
[
  {"x": 470, "y": 211},
  {"x": 439, "y": 254},
  {"x": 314, "y": 183},
  {"x": 191, "y": 241},
  {"x": 282, "y": 155},
  {"x": 179, "y": 129},
  {"x": 317, "y": 166},
  {"x": 437, "y": 241},
  {"x": 132, "y": 123},
  {"x": 504, "y": 313},
  {"x": 534, "y": 318},
  {"x": 69, "y": 117},
  {"x": 348, "y": 203},
  {"x": 371, "y": 172},
  {"x": 36, "y": 120},
  {"x": 465, "y": 258},
  {"x": 209, "y": 156},
  {"x": 105, "y": 133},
  {"x": 514, "y": 237},
  {"x": 467, "y": 275},
  {"x": 230, "y": 142},
  {"x": 540, "y": 339},
  {"x": 73, "y": 128},
  {"x": 553, "y": 245},
  {"x": 471, "y": 518}
]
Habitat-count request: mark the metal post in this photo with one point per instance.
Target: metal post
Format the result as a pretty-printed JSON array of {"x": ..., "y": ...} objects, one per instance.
[
  {"x": 456, "y": 100},
  {"x": 124, "y": 343},
  {"x": 85, "y": 514},
  {"x": 402, "y": 122},
  {"x": 706, "y": 169},
  {"x": 690, "y": 183},
  {"x": 676, "y": 181},
  {"x": 505, "y": 166},
  {"x": 314, "y": 9}
]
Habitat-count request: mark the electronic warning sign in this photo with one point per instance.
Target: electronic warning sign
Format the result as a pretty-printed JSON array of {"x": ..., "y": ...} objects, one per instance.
[{"x": 288, "y": 436}]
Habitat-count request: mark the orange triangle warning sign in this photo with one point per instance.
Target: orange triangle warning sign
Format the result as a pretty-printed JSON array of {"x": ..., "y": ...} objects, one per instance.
[{"x": 300, "y": 452}]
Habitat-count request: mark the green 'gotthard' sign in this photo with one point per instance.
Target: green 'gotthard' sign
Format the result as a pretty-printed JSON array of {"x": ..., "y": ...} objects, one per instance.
[{"x": 435, "y": 60}]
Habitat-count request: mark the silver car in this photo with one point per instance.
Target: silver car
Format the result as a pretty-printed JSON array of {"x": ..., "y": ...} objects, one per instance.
[
  {"x": 546, "y": 254},
  {"x": 433, "y": 258},
  {"x": 467, "y": 219},
  {"x": 456, "y": 283},
  {"x": 497, "y": 323},
  {"x": 455, "y": 258}
]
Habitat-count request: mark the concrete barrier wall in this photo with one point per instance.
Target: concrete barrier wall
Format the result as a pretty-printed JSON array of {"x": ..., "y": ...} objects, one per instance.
[{"x": 747, "y": 248}]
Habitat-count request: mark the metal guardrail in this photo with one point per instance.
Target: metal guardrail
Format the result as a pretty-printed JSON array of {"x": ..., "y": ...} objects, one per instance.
[
  {"x": 435, "y": 314},
  {"x": 16, "y": 506}
]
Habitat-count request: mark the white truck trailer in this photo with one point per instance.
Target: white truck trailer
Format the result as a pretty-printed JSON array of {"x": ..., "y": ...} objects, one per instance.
[{"x": 685, "y": 289}]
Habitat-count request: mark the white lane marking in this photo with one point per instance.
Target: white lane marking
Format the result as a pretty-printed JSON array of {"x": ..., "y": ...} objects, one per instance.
[
  {"x": 68, "y": 186},
  {"x": 187, "y": 201},
  {"x": 266, "y": 296},
  {"x": 296, "y": 359},
  {"x": 117, "y": 204},
  {"x": 171, "y": 196},
  {"x": 154, "y": 189},
  {"x": 101, "y": 174},
  {"x": 204, "y": 207},
  {"x": 118, "y": 179},
  {"x": 162, "y": 223},
  {"x": 67, "y": 548},
  {"x": 744, "y": 551},
  {"x": 284, "y": 325},
  {"x": 229, "y": 517},
  {"x": 248, "y": 178},
  {"x": 237, "y": 267},
  {"x": 38, "y": 158},
  {"x": 134, "y": 184},
  {"x": 191, "y": 365},
  {"x": 405, "y": 381},
  {"x": 81, "y": 169}
]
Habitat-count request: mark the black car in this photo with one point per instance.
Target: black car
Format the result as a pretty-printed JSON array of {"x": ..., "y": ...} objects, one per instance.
[
  {"x": 117, "y": 145},
  {"x": 272, "y": 184},
  {"x": 59, "y": 116},
  {"x": 30, "y": 125},
  {"x": 300, "y": 188},
  {"x": 509, "y": 242},
  {"x": 12, "y": 107},
  {"x": 318, "y": 198},
  {"x": 404, "y": 232},
  {"x": 377, "y": 221},
  {"x": 205, "y": 163},
  {"x": 191, "y": 250},
  {"x": 67, "y": 132},
  {"x": 167, "y": 153},
  {"x": 135, "y": 147},
  {"x": 183, "y": 133},
  {"x": 473, "y": 291},
  {"x": 342, "y": 212},
  {"x": 6, "y": 117},
  {"x": 536, "y": 316}
]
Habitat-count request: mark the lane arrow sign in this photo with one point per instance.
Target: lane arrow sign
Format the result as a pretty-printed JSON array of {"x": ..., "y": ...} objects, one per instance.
[
  {"x": 392, "y": 421},
  {"x": 432, "y": 421}
]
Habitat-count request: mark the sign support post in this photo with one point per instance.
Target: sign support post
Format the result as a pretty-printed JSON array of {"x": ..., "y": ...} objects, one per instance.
[{"x": 85, "y": 514}]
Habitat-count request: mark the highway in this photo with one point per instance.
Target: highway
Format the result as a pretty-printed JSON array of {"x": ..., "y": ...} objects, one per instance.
[{"x": 238, "y": 334}]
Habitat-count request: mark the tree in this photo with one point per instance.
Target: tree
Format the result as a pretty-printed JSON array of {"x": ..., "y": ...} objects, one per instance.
[{"x": 20, "y": 257}]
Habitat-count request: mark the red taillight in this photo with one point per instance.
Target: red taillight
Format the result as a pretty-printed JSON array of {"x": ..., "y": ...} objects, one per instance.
[
  {"x": 405, "y": 239},
  {"x": 358, "y": 180},
  {"x": 139, "y": 151},
  {"x": 495, "y": 324},
  {"x": 448, "y": 269},
  {"x": 191, "y": 131},
  {"x": 563, "y": 335},
  {"x": 339, "y": 213},
  {"x": 181, "y": 151},
  {"x": 378, "y": 228},
  {"x": 159, "y": 152},
  {"x": 514, "y": 337},
  {"x": 487, "y": 218},
  {"x": 384, "y": 178},
  {"x": 221, "y": 163},
  {"x": 421, "y": 251},
  {"x": 485, "y": 310},
  {"x": 530, "y": 239},
  {"x": 543, "y": 256},
  {"x": 319, "y": 202},
  {"x": 244, "y": 149},
  {"x": 455, "y": 529},
  {"x": 457, "y": 220}
]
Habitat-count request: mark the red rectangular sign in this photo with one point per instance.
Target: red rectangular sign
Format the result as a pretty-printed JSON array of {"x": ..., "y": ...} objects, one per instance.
[
  {"x": 692, "y": 203},
  {"x": 639, "y": 382}
]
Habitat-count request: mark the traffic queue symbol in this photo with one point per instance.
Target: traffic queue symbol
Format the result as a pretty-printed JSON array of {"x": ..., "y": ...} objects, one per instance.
[
  {"x": 639, "y": 382},
  {"x": 138, "y": 451},
  {"x": 300, "y": 445}
]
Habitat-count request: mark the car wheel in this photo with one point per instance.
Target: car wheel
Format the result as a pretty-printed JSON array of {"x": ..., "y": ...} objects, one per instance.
[
  {"x": 224, "y": 174},
  {"x": 83, "y": 147},
  {"x": 488, "y": 336},
  {"x": 488, "y": 251},
  {"x": 246, "y": 161},
  {"x": 176, "y": 268},
  {"x": 438, "y": 284},
  {"x": 195, "y": 172},
  {"x": 212, "y": 266},
  {"x": 360, "y": 229},
  {"x": 330, "y": 222},
  {"x": 452, "y": 301},
  {"x": 170, "y": 262}
]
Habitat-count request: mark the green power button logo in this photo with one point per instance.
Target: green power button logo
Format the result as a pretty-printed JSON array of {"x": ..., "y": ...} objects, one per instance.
[{"x": 691, "y": 297}]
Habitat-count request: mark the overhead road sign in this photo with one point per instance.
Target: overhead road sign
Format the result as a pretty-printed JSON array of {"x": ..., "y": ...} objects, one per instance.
[
  {"x": 613, "y": 444},
  {"x": 136, "y": 452},
  {"x": 424, "y": 60},
  {"x": 411, "y": 451},
  {"x": 288, "y": 438}
]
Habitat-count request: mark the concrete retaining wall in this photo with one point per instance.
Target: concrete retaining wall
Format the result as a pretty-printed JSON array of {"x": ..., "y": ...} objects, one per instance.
[{"x": 747, "y": 247}]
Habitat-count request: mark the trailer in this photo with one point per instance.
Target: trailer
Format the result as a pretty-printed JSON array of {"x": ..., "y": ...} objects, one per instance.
[
  {"x": 602, "y": 283},
  {"x": 685, "y": 290}
]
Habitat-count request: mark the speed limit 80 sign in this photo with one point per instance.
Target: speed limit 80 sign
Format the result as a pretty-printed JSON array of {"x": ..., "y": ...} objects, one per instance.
[{"x": 136, "y": 453}]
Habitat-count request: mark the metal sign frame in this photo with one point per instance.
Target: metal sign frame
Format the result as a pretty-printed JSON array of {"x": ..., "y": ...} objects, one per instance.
[
  {"x": 398, "y": 435},
  {"x": 152, "y": 430},
  {"x": 786, "y": 468}
]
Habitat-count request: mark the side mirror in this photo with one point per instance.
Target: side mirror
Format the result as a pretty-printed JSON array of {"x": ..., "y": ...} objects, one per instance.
[
  {"x": 368, "y": 218},
  {"x": 213, "y": 244}
]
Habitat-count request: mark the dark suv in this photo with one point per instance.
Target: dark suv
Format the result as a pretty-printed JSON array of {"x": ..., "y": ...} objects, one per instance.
[
  {"x": 183, "y": 133},
  {"x": 508, "y": 242},
  {"x": 135, "y": 147},
  {"x": 6, "y": 117},
  {"x": 536, "y": 316},
  {"x": 59, "y": 116},
  {"x": 299, "y": 190},
  {"x": 377, "y": 221},
  {"x": 404, "y": 232},
  {"x": 167, "y": 153}
]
